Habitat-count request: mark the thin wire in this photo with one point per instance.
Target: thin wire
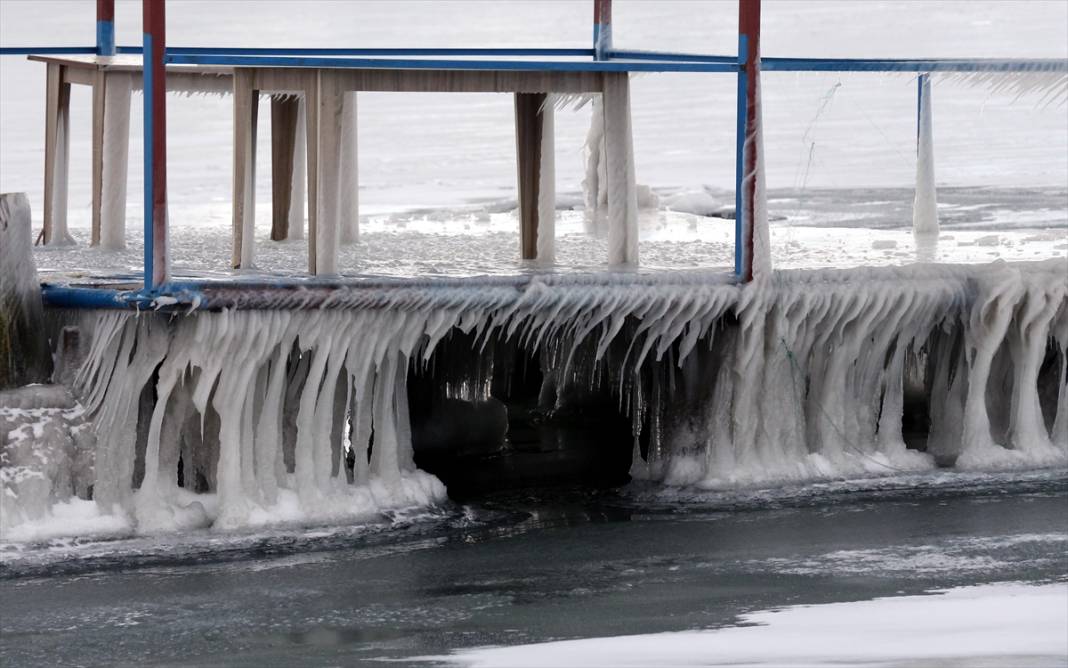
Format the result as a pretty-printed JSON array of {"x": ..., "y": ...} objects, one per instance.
[{"x": 846, "y": 441}]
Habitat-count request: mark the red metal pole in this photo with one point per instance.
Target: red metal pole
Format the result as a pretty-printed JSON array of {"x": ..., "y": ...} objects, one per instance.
[
  {"x": 105, "y": 27},
  {"x": 749, "y": 27},
  {"x": 157, "y": 269},
  {"x": 602, "y": 29}
]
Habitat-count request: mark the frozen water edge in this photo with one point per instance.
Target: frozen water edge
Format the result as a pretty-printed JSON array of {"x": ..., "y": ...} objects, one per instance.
[
  {"x": 186, "y": 511},
  {"x": 1004, "y": 624},
  {"x": 80, "y": 533}
]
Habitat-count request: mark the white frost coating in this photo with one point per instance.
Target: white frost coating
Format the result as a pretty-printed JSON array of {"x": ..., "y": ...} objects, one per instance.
[
  {"x": 116, "y": 153},
  {"x": 248, "y": 222},
  {"x": 349, "y": 196},
  {"x": 300, "y": 175},
  {"x": 61, "y": 175},
  {"x": 925, "y": 207},
  {"x": 1049, "y": 86},
  {"x": 595, "y": 193},
  {"x": 46, "y": 454},
  {"x": 204, "y": 83},
  {"x": 331, "y": 112},
  {"x": 622, "y": 192},
  {"x": 547, "y": 184},
  {"x": 754, "y": 140}
]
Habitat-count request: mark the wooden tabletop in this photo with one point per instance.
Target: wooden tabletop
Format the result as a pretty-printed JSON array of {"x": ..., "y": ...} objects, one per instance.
[{"x": 126, "y": 63}]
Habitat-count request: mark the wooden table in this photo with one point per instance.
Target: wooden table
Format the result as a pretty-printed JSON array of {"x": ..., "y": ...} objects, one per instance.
[
  {"x": 326, "y": 97},
  {"x": 330, "y": 109},
  {"x": 120, "y": 74}
]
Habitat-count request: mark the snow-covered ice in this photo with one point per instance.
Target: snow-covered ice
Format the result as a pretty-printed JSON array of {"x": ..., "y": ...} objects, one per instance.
[{"x": 1004, "y": 624}]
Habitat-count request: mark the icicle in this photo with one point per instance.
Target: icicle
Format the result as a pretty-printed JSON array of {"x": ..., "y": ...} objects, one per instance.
[
  {"x": 1028, "y": 345},
  {"x": 988, "y": 323},
  {"x": 594, "y": 185},
  {"x": 798, "y": 376}
]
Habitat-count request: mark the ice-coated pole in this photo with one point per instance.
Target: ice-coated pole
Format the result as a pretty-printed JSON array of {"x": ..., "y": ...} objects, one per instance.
[
  {"x": 157, "y": 270},
  {"x": 746, "y": 158},
  {"x": 602, "y": 29},
  {"x": 925, "y": 205},
  {"x": 105, "y": 27}
]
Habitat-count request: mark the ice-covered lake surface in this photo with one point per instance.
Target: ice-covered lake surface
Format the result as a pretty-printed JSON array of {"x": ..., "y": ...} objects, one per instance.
[
  {"x": 549, "y": 565},
  {"x": 809, "y": 229}
]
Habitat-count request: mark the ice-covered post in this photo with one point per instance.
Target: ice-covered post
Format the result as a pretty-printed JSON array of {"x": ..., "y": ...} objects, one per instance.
[
  {"x": 349, "y": 195},
  {"x": 157, "y": 270},
  {"x": 111, "y": 139},
  {"x": 749, "y": 171},
  {"x": 105, "y": 27},
  {"x": 602, "y": 29},
  {"x": 534, "y": 141},
  {"x": 925, "y": 206}
]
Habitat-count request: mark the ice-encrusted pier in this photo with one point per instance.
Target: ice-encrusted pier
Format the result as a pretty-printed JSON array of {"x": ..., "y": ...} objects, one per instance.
[
  {"x": 236, "y": 416},
  {"x": 239, "y": 402}
]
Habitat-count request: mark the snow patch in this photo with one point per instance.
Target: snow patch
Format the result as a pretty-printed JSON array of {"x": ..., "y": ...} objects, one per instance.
[{"x": 1007, "y": 623}]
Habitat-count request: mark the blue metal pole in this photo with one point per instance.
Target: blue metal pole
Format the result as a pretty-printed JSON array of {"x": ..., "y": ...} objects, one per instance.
[
  {"x": 739, "y": 165},
  {"x": 920, "y": 80}
]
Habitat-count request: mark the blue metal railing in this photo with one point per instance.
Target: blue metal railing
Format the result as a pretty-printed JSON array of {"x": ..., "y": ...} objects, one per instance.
[
  {"x": 601, "y": 58},
  {"x": 618, "y": 60}
]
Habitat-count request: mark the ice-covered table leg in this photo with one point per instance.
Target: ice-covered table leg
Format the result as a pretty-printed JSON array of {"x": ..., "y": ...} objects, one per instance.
[
  {"x": 57, "y": 156},
  {"x": 285, "y": 134},
  {"x": 534, "y": 126},
  {"x": 349, "y": 197},
  {"x": 288, "y": 149},
  {"x": 246, "y": 105},
  {"x": 111, "y": 149},
  {"x": 622, "y": 192},
  {"x": 331, "y": 111}
]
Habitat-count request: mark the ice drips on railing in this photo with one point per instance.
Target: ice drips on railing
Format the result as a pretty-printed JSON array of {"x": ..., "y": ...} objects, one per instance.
[{"x": 274, "y": 415}]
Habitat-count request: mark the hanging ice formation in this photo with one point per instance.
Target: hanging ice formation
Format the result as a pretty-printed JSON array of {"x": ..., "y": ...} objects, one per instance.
[
  {"x": 290, "y": 414},
  {"x": 260, "y": 407}
]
